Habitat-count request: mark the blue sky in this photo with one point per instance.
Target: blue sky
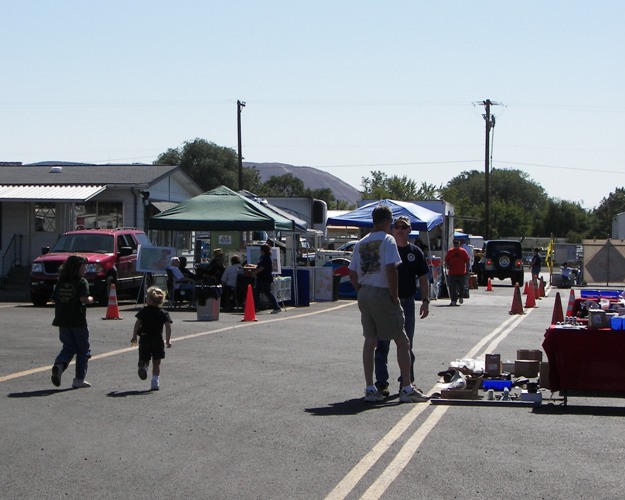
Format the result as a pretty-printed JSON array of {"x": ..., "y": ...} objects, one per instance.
[{"x": 345, "y": 86}]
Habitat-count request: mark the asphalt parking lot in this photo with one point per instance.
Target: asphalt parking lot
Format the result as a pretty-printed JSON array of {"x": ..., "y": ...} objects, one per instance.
[{"x": 274, "y": 409}]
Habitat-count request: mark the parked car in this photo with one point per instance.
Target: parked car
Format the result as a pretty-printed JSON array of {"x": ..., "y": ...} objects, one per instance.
[
  {"x": 501, "y": 259},
  {"x": 344, "y": 251},
  {"x": 112, "y": 256}
]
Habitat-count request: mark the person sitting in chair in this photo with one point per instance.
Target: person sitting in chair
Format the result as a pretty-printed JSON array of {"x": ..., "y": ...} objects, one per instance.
[
  {"x": 187, "y": 273},
  {"x": 211, "y": 273},
  {"x": 229, "y": 282},
  {"x": 180, "y": 281},
  {"x": 566, "y": 275}
]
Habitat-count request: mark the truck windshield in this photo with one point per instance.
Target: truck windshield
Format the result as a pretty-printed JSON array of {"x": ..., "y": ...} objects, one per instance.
[{"x": 91, "y": 243}]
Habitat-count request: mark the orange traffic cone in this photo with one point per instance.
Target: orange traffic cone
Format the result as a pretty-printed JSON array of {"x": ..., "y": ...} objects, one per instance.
[
  {"x": 526, "y": 287},
  {"x": 530, "y": 300},
  {"x": 517, "y": 305},
  {"x": 489, "y": 285},
  {"x": 541, "y": 288},
  {"x": 569, "y": 308},
  {"x": 557, "y": 316},
  {"x": 112, "y": 311},
  {"x": 250, "y": 309}
]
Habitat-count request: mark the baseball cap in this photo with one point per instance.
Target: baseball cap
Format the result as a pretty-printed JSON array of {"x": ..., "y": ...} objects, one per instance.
[{"x": 403, "y": 219}]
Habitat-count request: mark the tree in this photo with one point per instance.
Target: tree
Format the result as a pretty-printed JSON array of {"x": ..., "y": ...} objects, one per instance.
[
  {"x": 324, "y": 194},
  {"x": 379, "y": 186},
  {"x": 284, "y": 185},
  {"x": 517, "y": 203},
  {"x": 209, "y": 165},
  {"x": 602, "y": 216},
  {"x": 566, "y": 219}
]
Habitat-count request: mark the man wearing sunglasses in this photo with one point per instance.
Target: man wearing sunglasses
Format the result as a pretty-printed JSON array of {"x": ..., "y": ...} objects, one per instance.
[{"x": 413, "y": 267}]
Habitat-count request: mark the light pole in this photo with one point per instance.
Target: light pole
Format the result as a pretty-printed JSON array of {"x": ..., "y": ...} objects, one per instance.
[
  {"x": 240, "y": 106},
  {"x": 490, "y": 123}
]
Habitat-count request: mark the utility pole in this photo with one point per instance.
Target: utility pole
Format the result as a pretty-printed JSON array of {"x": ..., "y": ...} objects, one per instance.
[
  {"x": 490, "y": 124},
  {"x": 240, "y": 106}
]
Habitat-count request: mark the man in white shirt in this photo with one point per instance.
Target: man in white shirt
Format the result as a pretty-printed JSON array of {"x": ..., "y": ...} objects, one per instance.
[{"x": 373, "y": 273}]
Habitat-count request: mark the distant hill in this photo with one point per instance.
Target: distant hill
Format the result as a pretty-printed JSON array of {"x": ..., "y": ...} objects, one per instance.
[{"x": 312, "y": 178}]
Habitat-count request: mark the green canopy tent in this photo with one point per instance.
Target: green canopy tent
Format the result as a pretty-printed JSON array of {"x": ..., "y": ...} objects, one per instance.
[{"x": 220, "y": 209}]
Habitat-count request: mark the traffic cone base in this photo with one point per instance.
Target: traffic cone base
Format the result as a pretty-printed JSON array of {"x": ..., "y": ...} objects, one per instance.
[
  {"x": 557, "y": 316},
  {"x": 250, "y": 309},
  {"x": 489, "y": 285},
  {"x": 112, "y": 310},
  {"x": 517, "y": 305},
  {"x": 530, "y": 299}
]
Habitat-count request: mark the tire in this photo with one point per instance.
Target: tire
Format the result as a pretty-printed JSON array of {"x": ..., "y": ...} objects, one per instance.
[
  {"x": 504, "y": 260},
  {"x": 38, "y": 299}
]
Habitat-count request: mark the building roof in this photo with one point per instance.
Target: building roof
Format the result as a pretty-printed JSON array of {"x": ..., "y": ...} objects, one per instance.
[
  {"x": 42, "y": 192},
  {"x": 85, "y": 174},
  {"x": 80, "y": 175}
]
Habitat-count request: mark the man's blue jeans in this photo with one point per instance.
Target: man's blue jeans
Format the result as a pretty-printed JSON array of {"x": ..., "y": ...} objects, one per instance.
[{"x": 382, "y": 347}]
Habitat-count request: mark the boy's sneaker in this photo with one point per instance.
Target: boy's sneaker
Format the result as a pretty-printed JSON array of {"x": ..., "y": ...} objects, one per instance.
[
  {"x": 154, "y": 386},
  {"x": 383, "y": 389},
  {"x": 80, "y": 383},
  {"x": 373, "y": 396},
  {"x": 142, "y": 372},
  {"x": 413, "y": 396},
  {"x": 276, "y": 311},
  {"x": 57, "y": 371}
]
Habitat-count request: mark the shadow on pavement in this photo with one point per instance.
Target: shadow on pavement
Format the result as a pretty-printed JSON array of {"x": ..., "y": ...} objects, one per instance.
[
  {"x": 598, "y": 411},
  {"x": 123, "y": 394},
  {"x": 352, "y": 407},
  {"x": 38, "y": 394}
]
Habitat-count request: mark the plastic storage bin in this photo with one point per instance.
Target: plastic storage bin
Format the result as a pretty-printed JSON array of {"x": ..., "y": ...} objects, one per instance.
[{"x": 497, "y": 385}]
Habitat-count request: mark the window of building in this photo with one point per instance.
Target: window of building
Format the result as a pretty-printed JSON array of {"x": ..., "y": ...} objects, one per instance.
[
  {"x": 45, "y": 217},
  {"x": 104, "y": 214}
]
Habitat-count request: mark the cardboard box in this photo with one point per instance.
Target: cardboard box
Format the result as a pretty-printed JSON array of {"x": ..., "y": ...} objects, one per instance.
[
  {"x": 492, "y": 365},
  {"x": 469, "y": 392},
  {"x": 507, "y": 367},
  {"x": 532, "y": 354},
  {"x": 526, "y": 368}
]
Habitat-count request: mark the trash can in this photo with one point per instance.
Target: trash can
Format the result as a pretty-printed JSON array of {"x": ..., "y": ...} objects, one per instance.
[{"x": 207, "y": 302}]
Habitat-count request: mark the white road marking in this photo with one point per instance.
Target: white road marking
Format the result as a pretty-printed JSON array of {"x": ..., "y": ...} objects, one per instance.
[{"x": 405, "y": 454}]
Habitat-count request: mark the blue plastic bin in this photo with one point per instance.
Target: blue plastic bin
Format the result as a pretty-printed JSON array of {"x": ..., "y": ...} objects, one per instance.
[{"x": 496, "y": 385}]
